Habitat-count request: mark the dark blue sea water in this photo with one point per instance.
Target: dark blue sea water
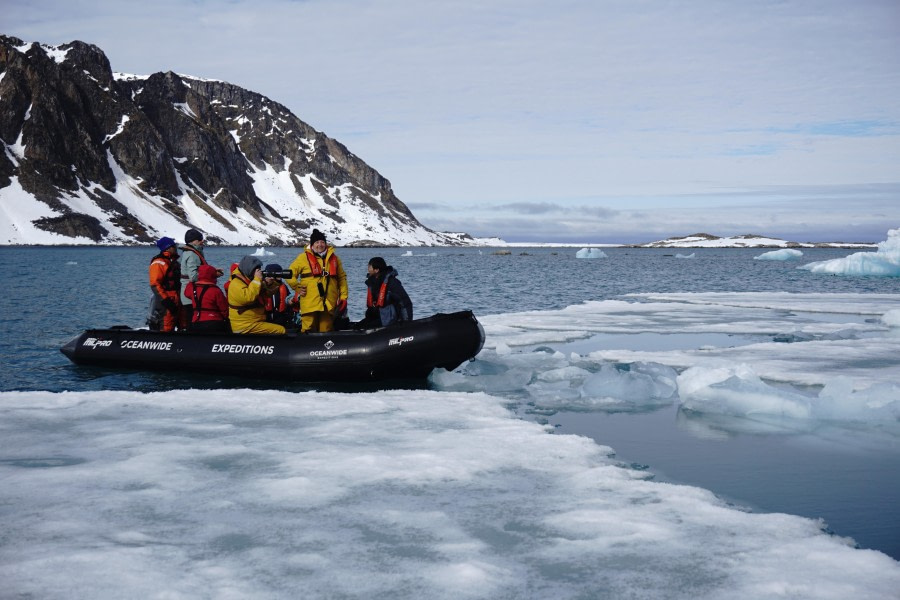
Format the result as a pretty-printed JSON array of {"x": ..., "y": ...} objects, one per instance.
[{"x": 58, "y": 292}]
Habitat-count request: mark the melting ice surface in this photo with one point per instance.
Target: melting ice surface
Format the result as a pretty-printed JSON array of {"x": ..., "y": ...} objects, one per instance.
[
  {"x": 885, "y": 262},
  {"x": 783, "y": 254},
  {"x": 445, "y": 493}
]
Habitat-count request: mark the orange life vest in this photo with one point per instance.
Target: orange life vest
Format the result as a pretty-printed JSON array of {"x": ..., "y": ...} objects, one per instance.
[
  {"x": 316, "y": 269},
  {"x": 382, "y": 294}
]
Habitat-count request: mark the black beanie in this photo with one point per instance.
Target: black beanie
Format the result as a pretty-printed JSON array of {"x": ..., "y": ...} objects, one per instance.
[
  {"x": 316, "y": 236},
  {"x": 192, "y": 235}
]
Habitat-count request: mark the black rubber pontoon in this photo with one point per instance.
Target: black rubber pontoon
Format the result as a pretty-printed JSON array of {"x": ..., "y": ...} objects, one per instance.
[{"x": 409, "y": 350}]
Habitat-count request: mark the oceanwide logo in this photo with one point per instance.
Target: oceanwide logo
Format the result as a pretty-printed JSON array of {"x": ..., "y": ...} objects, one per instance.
[{"x": 328, "y": 352}]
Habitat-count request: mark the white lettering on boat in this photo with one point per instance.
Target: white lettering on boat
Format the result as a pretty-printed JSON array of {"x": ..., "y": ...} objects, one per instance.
[
  {"x": 93, "y": 343},
  {"x": 400, "y": 341},
  {"x": 243, "y": 349},
  {"x": 327, "y": 353},
  {"x": 145, "y": 345}
]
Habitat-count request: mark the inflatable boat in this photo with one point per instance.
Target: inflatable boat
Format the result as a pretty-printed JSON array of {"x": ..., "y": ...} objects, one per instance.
[{"x": 408, "y": 350}]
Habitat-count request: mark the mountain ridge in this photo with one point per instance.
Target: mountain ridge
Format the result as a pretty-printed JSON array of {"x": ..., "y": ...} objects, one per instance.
[{"x": 94, "y": 157}]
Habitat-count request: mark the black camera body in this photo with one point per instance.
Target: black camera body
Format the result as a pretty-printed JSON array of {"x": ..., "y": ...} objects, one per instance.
[{"x": 283, "y": 274}]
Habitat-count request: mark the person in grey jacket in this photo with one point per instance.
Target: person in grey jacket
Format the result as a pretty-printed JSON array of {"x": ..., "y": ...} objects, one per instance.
[{"x": 191, "y": 259}]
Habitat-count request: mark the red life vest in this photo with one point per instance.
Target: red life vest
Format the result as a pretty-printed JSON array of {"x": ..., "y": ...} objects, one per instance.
[
  {"x": 197, "y": 252},
  {"x": 207, "y": 307},
  {"x": 382, "y": 294},
  {"x": 316, "y": 269},
  {"x": 282, "y": 295}
]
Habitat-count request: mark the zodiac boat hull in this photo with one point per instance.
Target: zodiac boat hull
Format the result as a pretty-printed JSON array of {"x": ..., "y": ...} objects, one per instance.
[{"x": 409, "y": 350}]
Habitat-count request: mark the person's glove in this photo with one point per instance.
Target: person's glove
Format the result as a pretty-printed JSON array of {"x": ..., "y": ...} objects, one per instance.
[
  {"x": 170, "y": 305},
  {"x": 341, "y": 306}
]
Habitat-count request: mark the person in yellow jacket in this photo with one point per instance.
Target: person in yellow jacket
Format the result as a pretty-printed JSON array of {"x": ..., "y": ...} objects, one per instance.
[
  {"x": 321, "y": 284},
  {"x": 246, "y": 299}
]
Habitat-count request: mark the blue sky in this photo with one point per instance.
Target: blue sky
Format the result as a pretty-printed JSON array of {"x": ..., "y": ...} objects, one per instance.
[{"x": 573, "y": 121}]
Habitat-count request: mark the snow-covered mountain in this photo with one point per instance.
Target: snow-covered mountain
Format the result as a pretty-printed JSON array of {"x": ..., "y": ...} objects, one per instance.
[
  {"x": 93, "y": 157},
  {"x": 705, "y": 240}
]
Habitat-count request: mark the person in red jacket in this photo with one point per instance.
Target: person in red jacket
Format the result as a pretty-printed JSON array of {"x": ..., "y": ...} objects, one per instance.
[{"x": 210, "y": 305}]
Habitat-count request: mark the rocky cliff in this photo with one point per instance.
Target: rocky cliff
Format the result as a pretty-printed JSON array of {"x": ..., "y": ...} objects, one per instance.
[{"x": 90, "y": 156}]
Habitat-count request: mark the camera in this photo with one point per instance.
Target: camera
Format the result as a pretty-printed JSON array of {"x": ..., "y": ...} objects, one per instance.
[{"x": 283, "y": 274}]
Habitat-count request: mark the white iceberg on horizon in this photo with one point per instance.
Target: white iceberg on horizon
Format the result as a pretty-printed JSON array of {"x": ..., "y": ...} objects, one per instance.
[
  {"x": 783, "y": 254},
  {"x": 590, "y": 253}
]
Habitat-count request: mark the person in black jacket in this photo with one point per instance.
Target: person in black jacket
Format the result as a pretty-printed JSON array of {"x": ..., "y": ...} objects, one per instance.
[{"x": 386, "y": 300}]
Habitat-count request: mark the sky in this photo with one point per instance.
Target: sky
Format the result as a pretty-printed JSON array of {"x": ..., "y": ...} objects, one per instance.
[{"x": 610, "y": 121}]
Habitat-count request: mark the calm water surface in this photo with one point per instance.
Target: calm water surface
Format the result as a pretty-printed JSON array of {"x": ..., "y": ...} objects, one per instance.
[{"x": 58, "y": 292}]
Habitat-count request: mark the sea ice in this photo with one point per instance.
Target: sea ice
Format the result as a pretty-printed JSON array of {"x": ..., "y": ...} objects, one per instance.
[
  {"x": 735, "y": 389},
  {"x": 395, "y": 494},
  {"x": 262, "y": 252},
  {"x": 824, "y": 342}
]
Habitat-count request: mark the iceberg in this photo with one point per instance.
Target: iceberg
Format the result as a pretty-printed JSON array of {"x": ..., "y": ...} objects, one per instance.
[
  {"x": 783, "y": 254},
  {"x": 262, "y": 252},
  {"x": 884, "y": 262},
  {"x": 590, "y": 253}
]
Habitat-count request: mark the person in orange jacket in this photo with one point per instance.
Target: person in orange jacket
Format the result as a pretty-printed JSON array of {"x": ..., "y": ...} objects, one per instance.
[{"x": 165, "y": 283}]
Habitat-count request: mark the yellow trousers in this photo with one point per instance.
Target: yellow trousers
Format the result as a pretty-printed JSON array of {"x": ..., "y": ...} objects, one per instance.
[
  {"x": 317, "y": 321},
  {"x": 263, "y": 327}
]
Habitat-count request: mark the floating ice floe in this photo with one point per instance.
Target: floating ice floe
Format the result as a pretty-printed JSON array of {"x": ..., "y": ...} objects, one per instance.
[
  {"x": 262, "y": 252},
  {"x": 783, "y": 254},
  {"x": 590, "y": 253},
  {"x": 885, "y": 262},
  {"x": 619, "y": 356}
]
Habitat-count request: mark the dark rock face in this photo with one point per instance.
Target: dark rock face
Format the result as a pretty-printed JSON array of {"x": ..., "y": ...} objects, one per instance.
[{"x": 126, "y": 159}]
